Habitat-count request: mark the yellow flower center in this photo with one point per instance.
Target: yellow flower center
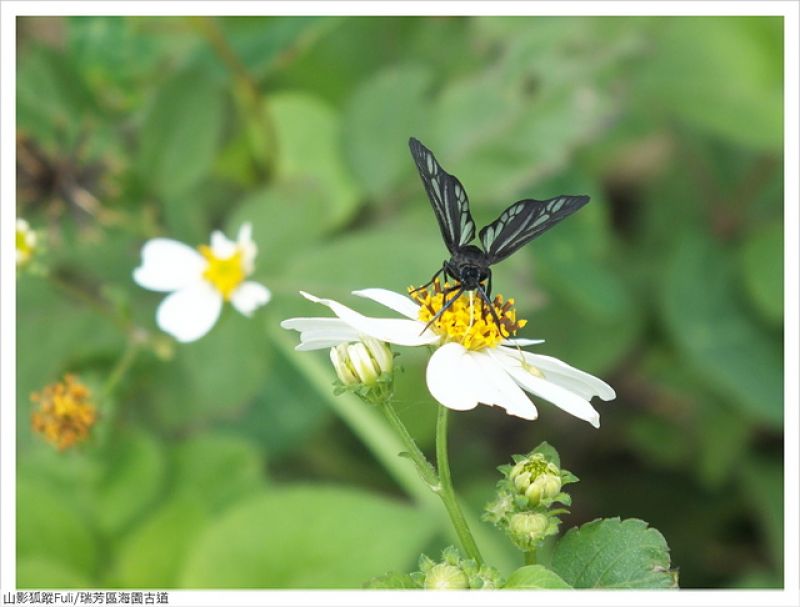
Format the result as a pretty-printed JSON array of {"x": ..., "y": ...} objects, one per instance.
[
  {"x": 65, "y": 413},
  {"x": 468, "y": 320},
  {"x": 224, "y": 274},
  {"x": 25, "y": 243}
]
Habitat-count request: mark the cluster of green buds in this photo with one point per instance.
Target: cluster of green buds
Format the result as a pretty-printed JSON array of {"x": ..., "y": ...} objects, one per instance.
[
  {"x": 365, "y": 368},
  {"x": 455, "y": 573},
  {"x": 529, "y": 497}
]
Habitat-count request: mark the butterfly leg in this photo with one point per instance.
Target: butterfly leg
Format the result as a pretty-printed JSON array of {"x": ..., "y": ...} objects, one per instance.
[
  {"x": 439, "y": 272},
  {"x": 459, "y": 290},
  {"x": 497, "y": 322}
]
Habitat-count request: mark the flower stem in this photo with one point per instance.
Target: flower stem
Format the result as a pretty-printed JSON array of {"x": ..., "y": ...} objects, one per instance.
[
  {"x": 447, "y": 493},
  {"x": 424, "y": 467},
  {"x": 124, "y": 363},
  {"x": 530, "y": 557}
]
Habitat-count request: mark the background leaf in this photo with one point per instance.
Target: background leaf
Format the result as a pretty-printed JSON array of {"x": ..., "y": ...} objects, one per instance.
[
  {"x": 612, "y": 553},
  {"x": 326, "y": 536}
]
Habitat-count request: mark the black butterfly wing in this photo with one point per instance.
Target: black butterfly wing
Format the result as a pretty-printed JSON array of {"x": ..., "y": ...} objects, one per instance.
[
  {"x": 447, "y": 196},
  {"x": 525, "y": 220}
]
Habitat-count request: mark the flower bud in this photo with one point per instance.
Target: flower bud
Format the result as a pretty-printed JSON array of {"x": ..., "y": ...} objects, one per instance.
[
  {"x": 536, "y": 478},
  {"x": 546, "y": 486},
  {"x": 528, "y": 529},
  {"x": 444, "y": 576},
  {"x": 363, "y": 362}
]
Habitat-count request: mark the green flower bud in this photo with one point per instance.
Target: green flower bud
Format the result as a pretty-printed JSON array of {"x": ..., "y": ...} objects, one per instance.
[
  {"x": 545, "y": 487},
  {"x": 536, "y": 478},
  {"x": 363, "y": 362},
  {"x": 444, "y": 576},
  {"x": 528, "y": 529}
]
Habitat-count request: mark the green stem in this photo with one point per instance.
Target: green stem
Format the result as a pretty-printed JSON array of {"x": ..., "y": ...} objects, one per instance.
[
  {"x": 424, "y": 467},
  {"x": 384, "y": 443},
  {"x": 122, "y": 366},
  {"x": 447, "y": 493},
  {"x": 530, "y": 557}
]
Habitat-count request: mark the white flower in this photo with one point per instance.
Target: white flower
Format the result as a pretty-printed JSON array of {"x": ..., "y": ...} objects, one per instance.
[
  {"x": 199, "y": 281},
  {"x": 26, "y": 241},
  {"x": 474, "y": 363}
]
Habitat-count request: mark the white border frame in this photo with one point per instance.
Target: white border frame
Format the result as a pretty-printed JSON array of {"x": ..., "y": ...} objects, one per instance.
[{"x": 790, "y": 10}]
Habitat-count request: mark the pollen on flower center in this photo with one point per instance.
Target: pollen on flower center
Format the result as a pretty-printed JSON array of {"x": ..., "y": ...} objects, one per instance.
[
  {"x": 468, "y": 321},
  {"x": 224, "y": 274}
]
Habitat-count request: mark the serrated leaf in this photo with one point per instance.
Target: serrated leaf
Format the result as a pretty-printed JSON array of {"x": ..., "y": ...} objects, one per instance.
[
  {"x": 614, "y": 553},
  {"x": 307, "y": 537},
  {"x": 535, "y": 577}
]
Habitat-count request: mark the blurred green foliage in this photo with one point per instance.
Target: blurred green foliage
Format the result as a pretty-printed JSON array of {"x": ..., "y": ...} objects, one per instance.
[{"x": 223, "y": 465}]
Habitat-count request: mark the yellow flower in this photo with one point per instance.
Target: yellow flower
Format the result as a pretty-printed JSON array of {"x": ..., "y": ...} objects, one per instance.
[{"x": 66, "y": 413}]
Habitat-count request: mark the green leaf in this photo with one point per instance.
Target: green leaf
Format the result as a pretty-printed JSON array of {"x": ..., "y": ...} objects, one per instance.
[
  {"x": 204, "y": 382},
  {"x": 132, "y": 480},
  {"x": 549, "y": 452},
  {"x": 41, "y": 572},
  {"x": 391, "y": 581},
  {"x": 380, "y": 117},
  {"x": 307, "y": 537},
  {"x": 50, "y": 527},
  {"x": 181, "y": 133},
  {"x": 309, "y": 134},
  {"x": 761, "y": 263},
  {"x": 712, "y": 330},
  {"x": 151, "y": 555},
  {"x": 690, "y": 76},
  {"x": 614, "y": 553},
  {"x": 287, "y": 217},
  {"x": 218, "y": 469},
  {"x": 535, "y": 577},
  {"x": 285, "y": 414}
]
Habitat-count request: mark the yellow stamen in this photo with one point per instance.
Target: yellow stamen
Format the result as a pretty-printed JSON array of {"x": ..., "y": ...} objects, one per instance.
[
  {"x": 65, "y": 414},
  {"x": 473, "y": 329},
  {"x": 225, "y": 274}
]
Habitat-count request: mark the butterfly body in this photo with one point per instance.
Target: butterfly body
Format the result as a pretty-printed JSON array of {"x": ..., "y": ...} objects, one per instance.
[{"x": 517, "y": 225}]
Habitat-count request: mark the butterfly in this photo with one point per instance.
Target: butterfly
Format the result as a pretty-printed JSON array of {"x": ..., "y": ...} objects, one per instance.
[{"x": 469, "y": 265}]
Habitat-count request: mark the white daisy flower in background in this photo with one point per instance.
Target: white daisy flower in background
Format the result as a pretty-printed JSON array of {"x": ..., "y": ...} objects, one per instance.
[
  {"x": 26, "y": 242},
  {"x": 200, "y": 280},
  {"x": 473, "y": 362}
]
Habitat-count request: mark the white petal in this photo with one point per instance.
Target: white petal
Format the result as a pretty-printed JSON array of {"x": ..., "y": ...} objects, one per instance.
[
  {"x": 320, "y": 333},
  {"x": 249, "y": 249},
  {"x": 395, "y": 301},
  {"x": 168, "y": 265},
  {"x": 221, "y": 246},
  {"x": 249, "y": 296},
  {"x": 569, "y": 377},
  {"x": 190, "y": 313},
  {"x": 448, "y": 377},
  {"x": 561, "y": 397},
  {"x": 504, "y": 391},
  {"x": 521, "y": 341},
  {"x": 393, "y": 330}
]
